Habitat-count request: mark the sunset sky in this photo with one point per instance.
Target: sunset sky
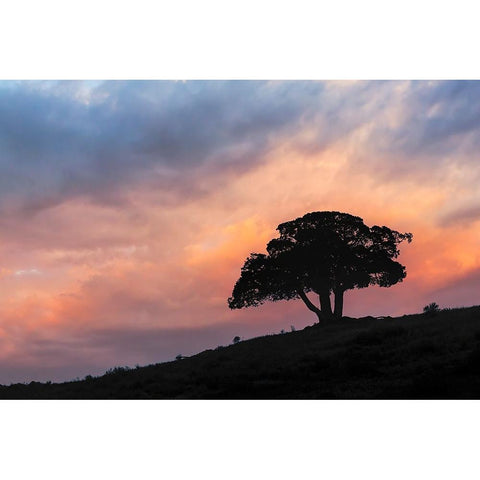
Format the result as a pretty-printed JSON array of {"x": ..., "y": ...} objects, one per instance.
[{"x": 128, "y": 208}]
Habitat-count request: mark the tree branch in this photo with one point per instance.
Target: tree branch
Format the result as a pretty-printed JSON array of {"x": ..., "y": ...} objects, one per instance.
[{"x": 310, "y": 305}]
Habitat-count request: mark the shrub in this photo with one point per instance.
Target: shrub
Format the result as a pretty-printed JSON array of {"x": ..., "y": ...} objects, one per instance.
[
  {"x": 431, "y": 309},
  {"x": 292, "y": 328},
  {"x": 179, "y": 357},
  {"x": 236, "y": 339}
]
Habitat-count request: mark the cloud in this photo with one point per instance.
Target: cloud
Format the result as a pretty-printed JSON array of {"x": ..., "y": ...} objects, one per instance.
[
  {"x": 458, "y": 292},
  {"x": 442, "y": 117},
  {"x": 54, "y": 145},
  {"x": 60, "y": 140},
  {"x": 463, "y": 215},
  {"x": 29, "y": 271},
  {"x": 101, "y": 140},
  {"x": 61, "y": 352}
]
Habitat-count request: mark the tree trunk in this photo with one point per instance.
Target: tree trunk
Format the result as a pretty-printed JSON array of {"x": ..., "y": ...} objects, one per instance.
[
  {"x": 338, "y": 312},
  {"x": 325, "y": 305},
  {"x": 319, "y": 313}
]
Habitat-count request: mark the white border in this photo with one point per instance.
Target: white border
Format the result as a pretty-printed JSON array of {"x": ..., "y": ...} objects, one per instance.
[
  {"x": 240, "y": 439},
  {"x": 252, "y": 39}
]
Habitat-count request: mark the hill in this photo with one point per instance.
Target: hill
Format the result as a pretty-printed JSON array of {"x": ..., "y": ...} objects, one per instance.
[{"x": 414, "y": 356}]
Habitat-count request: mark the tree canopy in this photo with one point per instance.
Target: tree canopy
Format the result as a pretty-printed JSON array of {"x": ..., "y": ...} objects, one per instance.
[{"x": 324, "y": 253}]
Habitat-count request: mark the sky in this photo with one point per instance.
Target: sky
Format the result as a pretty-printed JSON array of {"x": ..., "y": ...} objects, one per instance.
[{"x": 127, "y": 208}]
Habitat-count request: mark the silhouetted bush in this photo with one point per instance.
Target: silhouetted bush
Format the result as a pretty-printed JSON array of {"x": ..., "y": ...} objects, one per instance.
[
  {"x": 431, "y": 309},
  {"x": 236, "y": 339},
  {"x": 179, "y": 357}
]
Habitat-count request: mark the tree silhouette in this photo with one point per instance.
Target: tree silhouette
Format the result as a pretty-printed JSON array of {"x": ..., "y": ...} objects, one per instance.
[{"x": 321, "y": 252}]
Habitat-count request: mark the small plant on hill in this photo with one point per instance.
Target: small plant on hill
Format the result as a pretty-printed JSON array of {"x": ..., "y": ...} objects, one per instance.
[
  {"x": 292, "y": 328},
  {"x": 236, "y": 339},
  {"x": 431, "y": 309},
  {"x": 179, "y": 357}
]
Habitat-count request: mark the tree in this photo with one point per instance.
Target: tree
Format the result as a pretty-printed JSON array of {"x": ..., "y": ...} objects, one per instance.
[{"x": 325, "y": 253}]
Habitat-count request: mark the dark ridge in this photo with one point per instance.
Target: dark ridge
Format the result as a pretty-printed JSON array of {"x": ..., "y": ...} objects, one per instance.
[{"x": 426, "y": 356}]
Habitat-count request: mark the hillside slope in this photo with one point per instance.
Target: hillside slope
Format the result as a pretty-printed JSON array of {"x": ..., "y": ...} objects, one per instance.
[{"x": 413, "y": 356}]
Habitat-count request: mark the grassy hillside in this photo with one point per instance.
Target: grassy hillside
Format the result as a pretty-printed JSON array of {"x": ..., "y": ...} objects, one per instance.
[{"x": 415, "y": 356}]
